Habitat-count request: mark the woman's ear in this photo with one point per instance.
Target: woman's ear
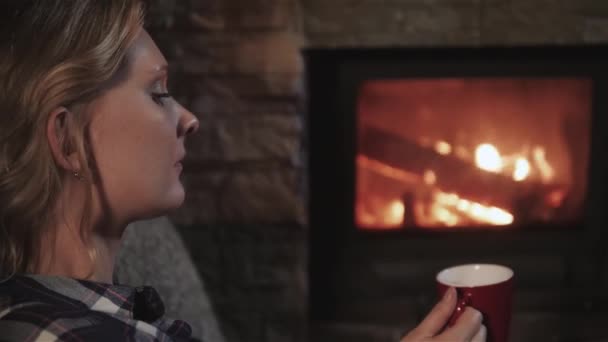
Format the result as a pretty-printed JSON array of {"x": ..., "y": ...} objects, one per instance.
[{"x": 59, "y": 139}]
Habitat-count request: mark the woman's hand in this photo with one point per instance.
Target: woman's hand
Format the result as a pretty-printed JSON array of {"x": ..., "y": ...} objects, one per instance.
[{"x": 468, "y": 327}]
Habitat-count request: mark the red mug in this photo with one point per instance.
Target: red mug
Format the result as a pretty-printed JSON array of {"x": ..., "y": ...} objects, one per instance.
[{"x": 485, "y": 287}]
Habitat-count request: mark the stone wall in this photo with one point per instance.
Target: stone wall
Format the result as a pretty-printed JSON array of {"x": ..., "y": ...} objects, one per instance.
[
  {"x": 236, "y": 64},
  {"x": 453, "y": 22}
]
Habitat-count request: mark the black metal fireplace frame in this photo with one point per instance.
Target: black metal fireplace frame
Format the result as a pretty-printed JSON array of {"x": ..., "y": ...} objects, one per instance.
[{"x": 333, "y": 77}]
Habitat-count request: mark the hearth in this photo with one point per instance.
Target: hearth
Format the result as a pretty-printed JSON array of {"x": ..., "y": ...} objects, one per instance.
[{"x": 424, "y": 158}]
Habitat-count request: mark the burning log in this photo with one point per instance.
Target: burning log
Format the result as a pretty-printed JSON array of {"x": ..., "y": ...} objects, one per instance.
[{"x": 451, "y": 174}]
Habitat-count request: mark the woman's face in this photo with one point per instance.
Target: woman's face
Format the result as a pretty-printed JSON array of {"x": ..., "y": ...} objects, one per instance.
[{"x": 137, "y": 137}]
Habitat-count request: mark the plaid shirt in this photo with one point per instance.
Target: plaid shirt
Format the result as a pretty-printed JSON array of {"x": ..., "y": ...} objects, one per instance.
[{"x": 48, "y": 308}]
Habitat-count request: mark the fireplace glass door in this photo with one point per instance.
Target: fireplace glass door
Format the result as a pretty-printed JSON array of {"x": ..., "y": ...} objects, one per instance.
[{"x": 454, "y": 153}]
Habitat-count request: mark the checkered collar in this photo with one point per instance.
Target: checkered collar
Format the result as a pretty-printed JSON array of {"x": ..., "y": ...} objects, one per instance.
[{"x": 140, "y": 303}]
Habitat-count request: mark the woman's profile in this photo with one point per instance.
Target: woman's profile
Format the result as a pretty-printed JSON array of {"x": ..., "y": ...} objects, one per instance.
[{"x": 90, "y": 141}]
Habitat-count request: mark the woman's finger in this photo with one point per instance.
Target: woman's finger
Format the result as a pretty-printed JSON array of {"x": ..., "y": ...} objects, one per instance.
[
  {"x": 437, "y": 318},
  {"x": 481, "y": 335},
  {"x": 466, "y": 327}
]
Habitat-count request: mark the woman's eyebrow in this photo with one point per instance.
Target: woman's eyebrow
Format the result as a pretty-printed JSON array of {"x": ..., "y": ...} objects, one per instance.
[{"x": 158, "y": 73}]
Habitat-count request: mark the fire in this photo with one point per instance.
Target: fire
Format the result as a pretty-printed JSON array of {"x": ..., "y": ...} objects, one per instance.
[
  {"x": 546, "y": 171},
  {"x": 522, "y": 169},
  {"x": 443, "y": 148},
  {"x": 380, "y": 214},
  {"x": 475, "y": 211},
  {"x": 429, "y": 177},
  {"x": 430, "y": 206},
  {"x": 396, "y": 211},
  {"x": 487, "y": 158}
]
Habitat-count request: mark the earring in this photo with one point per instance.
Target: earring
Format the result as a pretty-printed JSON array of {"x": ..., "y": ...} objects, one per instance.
[{"x": 78, "y": 175}]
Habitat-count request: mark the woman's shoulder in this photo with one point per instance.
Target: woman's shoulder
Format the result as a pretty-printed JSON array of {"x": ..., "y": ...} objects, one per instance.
[
  {"x": 42, "y": 322},
  {"x": 32, "y": 312},
  {"x": 60, "y": 309}
]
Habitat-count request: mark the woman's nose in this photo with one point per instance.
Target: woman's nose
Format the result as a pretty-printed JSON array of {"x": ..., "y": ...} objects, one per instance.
[{"x": 188, "y": 123}]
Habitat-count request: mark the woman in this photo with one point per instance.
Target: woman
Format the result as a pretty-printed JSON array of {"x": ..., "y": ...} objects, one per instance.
[{"x": 91, "y": 140}]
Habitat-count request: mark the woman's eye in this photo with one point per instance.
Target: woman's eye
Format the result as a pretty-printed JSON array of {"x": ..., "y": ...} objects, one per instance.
[{"x": 159, "y": 97}]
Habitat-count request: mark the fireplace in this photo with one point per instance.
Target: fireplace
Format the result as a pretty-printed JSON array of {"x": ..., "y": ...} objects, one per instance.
[
  {"x": 472, "y": 151},
  {"x": 424, "y": 158}
]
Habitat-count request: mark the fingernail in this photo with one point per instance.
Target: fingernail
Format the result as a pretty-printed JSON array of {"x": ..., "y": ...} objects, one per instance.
[{"x": 476, "y": 315}]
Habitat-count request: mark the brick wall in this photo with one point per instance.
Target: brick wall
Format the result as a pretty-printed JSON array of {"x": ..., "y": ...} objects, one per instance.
[
  {"x": 453, "y": 22},
  {"x": 236, "y": 64}
]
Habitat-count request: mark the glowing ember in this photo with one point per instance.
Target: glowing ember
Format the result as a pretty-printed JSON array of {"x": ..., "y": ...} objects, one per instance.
[
  {"x": 556, "y": 198},
  {"x": 432, "y": 207},
  {"x": 522, "y": 169},
  {"x": 443, "y": 148},
  {"x": 476, "y": 211},
  {"x": 463, "y": 205},
  {"x": 395, "y": 213},
  {"x": 379, "y": 214},
  {"x": 487, "y": 158},
  {"x": 546, "y": 171},
  {"x": 445, "y": 216},
  {"x": 429, "y": 177}
]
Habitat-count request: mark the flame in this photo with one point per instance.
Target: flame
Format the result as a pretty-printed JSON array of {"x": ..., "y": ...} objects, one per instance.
[
  {"x": 395, "y": 212},
  {"x": 546, "y": 171},
  {"x": 556, "y": 197},
  {"x": 429, "y": 177},
  {"x": 445, "y": 216},
  {"x": 487, "y": 158},
  {"x": 433, "y": 207},
  {"x": 522, "y": 169},
  {"x": 463, "y": 205},
  {"x": 477, "y": 211},
  {"x": 443, "y": 148},
  {"x": 380, "y": 214}
]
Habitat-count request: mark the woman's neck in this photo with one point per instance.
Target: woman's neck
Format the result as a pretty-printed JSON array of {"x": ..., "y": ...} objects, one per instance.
[
  {"x": 80, "y": 252},
  {"x": 70, "y": 256}
]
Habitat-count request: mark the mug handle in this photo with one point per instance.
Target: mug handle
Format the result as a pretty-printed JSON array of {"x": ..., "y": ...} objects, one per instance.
[{"x": 465, "y": 298}]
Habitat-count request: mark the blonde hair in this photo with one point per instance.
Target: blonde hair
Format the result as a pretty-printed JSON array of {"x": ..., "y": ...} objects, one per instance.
[{"x": 52, "y": 54}]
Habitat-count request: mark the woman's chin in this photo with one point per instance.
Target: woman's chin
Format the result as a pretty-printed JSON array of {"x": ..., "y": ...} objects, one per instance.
[
  {"x": 176, "y": 197},
  {"x": 162, "y": 204}
]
